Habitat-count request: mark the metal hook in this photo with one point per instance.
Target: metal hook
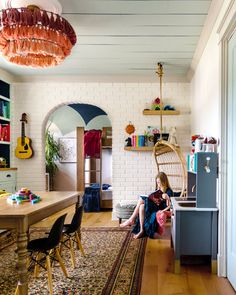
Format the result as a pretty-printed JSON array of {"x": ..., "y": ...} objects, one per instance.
[{"x": 207, "y": 166}]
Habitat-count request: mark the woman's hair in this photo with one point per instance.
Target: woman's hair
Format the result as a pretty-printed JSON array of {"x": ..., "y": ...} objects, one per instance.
[{"x": 164, "y": 180}]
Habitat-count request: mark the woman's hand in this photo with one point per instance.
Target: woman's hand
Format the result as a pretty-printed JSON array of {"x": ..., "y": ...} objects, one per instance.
[{"x": 167, "y": 198}]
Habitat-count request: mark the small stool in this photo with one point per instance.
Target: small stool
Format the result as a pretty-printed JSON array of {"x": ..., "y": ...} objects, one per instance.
[{"x": 124, "y": 209}]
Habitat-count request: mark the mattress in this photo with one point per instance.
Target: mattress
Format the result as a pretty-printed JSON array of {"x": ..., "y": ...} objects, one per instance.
[{"x": 107, "y": 194}]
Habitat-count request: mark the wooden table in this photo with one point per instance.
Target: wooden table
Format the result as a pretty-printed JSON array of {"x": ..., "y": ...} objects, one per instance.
[{"x": 20, "y": 217}]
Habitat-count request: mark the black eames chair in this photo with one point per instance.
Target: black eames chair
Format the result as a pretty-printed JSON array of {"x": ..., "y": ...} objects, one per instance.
[
  {"x": 71, "y": 234},
  {"x": 47, "y": 249}
]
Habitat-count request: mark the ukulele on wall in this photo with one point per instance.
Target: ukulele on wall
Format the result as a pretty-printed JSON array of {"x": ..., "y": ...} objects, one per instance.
[{"x": 23, "y": 149}]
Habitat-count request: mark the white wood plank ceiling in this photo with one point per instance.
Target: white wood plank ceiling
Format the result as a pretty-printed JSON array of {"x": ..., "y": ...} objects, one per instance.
[{"x": 128, "y": 37}]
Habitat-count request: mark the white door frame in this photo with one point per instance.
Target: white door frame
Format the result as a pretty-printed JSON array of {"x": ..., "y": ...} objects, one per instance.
[{"x": 226, "y": 30}]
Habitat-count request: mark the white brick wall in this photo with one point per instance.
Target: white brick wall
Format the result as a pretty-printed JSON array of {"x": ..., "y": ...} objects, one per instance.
[{"x": 133, "y": 172}]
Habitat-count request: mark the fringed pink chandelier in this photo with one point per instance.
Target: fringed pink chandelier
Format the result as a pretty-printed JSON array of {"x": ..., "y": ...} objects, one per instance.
[{"x": 34, "y": 36}]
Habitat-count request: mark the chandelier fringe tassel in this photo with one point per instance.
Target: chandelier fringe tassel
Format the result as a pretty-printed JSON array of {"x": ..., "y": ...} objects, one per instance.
[{"x": 36, "y": 38}]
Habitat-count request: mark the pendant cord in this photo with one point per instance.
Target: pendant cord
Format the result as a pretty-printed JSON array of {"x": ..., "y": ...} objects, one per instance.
[{"x": 160, "y": 74}]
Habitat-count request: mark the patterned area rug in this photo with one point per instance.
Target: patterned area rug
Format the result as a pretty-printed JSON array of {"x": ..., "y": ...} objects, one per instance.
[{"x": 113, "y": 265}]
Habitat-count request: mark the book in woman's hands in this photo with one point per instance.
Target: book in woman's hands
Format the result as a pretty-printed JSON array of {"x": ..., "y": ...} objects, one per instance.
[{"x": 156, "y": 196}]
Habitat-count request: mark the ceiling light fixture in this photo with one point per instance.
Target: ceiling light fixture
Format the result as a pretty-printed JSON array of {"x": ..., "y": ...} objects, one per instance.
[{"x": 32, "y": 33}]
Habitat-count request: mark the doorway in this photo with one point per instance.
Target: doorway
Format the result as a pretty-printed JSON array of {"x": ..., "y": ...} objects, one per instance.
[{"x": 62, "y": 124}]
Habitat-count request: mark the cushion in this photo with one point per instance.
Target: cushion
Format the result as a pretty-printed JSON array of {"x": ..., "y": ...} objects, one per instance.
[{"x": 124, "y": 209}]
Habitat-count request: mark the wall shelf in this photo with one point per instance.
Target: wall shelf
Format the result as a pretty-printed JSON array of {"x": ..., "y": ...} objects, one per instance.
[
  {"x": 4, "y": 98},
  {"x": 4, "y": 119},
  {"x": 4, "y": 142},
  {"x": 157, "y": 112},
  {"x": 139, "y": 149}
]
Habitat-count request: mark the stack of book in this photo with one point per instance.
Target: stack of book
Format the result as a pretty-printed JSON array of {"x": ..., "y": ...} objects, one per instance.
[
  {"x": 5, "y": 132},
  {"x": 138, "y": 140},
  {"x": 4, "y": 109}
]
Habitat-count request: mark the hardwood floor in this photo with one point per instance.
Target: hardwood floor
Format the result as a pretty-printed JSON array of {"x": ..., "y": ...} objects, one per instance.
[{"x": 158, "y": 276}]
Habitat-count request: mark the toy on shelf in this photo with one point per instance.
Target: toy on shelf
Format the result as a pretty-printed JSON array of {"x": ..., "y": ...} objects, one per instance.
[
  {"x": 168, "y": 108},
  {"x": 3, "y": 162},
  {"x": 156, "y": 104},
  {"x": 129, "y": 129},
  {"x": 23, "y": 195},
  {"x": 203, "y": 144}
]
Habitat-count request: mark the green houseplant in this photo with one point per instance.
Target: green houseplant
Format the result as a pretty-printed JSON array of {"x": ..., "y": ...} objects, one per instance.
[{"x": 52, "y": 154}]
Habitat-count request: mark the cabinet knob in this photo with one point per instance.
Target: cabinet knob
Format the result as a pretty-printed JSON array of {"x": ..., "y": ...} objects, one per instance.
[{"x": 8, "y": 175}]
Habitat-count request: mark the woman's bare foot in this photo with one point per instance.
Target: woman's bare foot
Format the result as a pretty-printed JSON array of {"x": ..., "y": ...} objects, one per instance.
[
  {"x": 128, "y": 222},
  {"x": 139, "y": 235}
]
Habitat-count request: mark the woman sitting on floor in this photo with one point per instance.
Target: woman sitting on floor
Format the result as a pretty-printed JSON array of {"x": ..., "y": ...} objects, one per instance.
[{"x": 144, "y": 215}]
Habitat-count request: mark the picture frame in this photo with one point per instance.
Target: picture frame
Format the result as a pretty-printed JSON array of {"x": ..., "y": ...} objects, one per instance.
[{"x": 68, "y": 149}]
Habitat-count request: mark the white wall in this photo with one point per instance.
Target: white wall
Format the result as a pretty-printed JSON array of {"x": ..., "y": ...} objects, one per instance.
[
  {"x": 205, "y": 86},
  {"x": 205, "y": 92},
  {"x": 133, "y": 172}
]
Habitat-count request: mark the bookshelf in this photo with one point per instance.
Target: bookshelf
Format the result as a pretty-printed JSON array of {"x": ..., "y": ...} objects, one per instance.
[{"x": 5, "y": 121}]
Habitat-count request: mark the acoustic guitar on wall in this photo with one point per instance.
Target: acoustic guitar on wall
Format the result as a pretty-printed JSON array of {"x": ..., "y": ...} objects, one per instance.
[{"x": 23, "y": 149}]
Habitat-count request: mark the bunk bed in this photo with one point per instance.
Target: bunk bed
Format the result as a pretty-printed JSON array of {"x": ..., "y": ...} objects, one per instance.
[{"x": 94, "y": 168}]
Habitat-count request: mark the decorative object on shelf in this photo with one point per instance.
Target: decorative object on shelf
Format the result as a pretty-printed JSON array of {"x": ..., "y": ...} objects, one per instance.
[
  {"x": 203, "y": 144},
  {"x": 3, "y": 162},
  {"x": 128, "y": 141},
  {"x": 23, "y": 195},
  {"x": 23, "y": 149},
  {"x": 172, "y": 136},
  {"x": 5, "y": 132},
  {"x": 168, "y": 108},
  {"x": 129, "y": 129},
  {"x": 156, "y": 104},
  {"x": 34, "y": 34}
]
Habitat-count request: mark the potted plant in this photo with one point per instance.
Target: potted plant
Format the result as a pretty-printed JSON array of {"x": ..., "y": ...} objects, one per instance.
[{"x": 52, "y": 154}]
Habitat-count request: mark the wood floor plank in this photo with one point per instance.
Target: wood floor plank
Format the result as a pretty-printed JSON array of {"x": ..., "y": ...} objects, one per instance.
[{"x": 158, "y": 277}]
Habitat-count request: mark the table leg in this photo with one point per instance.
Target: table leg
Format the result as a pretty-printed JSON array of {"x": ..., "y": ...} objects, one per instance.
[
  {"x": 77, "y": 205},
  {"x": 22, "y": 253}
]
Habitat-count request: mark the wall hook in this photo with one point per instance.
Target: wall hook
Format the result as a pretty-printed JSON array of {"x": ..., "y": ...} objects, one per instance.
[{"x": 207, "y": 166}]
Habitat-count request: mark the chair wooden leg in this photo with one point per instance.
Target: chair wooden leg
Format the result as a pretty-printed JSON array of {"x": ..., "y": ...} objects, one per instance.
[
  {"x": 49, "y": 270},
  {"x": 72, "y": 253},
  {"x": 61, "y": 244},
  {"x": 36, "y": 267},
  {"x": 79, "y": 244},
  {"x": 58, "y": 256}
]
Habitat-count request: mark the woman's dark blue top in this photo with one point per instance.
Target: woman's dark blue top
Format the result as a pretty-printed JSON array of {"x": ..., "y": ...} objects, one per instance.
[{"x": 150, "y": 210}]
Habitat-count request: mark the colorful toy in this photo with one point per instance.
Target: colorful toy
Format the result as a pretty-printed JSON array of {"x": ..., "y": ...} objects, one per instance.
[
  {"x": 23, "y": 195},
  {"x": 169, "y": 108},
  {"x": 156, "y": 104},
  {"x": 3, "y": 162}
]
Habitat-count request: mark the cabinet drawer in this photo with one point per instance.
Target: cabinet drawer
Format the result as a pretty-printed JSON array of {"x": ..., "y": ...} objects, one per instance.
[
  {"x": 8, "y": 187},
  {"x": 9, "y": 175}
]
